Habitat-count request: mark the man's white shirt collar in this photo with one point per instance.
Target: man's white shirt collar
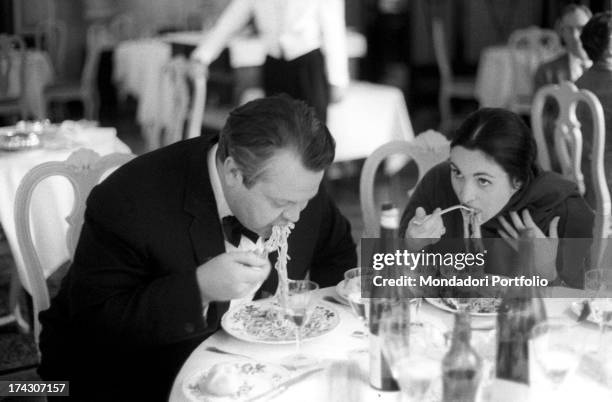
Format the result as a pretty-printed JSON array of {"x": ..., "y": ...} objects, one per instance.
[{"x": 224, "y": 210}]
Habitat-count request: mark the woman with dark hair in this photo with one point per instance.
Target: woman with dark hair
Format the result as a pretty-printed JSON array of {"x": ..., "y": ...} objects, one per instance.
[{"x": 492, "y": 170}]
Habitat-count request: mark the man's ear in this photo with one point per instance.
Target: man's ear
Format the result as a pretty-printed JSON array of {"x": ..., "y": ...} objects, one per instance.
[{"x": 231, "y": 172}]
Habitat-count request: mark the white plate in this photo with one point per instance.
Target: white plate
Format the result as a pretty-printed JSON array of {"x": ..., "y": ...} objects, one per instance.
[
  {"x": 576, "y": 308},
  {"x": 263, "y": 321},
  {"x": 251, "y": 378},
  {"x": 439, "y": 303}
]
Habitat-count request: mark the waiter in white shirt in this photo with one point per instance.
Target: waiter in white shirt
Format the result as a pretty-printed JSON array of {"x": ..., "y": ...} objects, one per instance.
[{"x": 305, "y": 41}]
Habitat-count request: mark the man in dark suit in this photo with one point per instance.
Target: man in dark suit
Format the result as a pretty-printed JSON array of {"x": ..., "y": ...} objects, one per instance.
[{"x": 155, "y": 269}]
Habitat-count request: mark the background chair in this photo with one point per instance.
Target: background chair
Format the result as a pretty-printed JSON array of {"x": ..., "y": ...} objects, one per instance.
[
  {"x": 450, "y": 86},
  {"x": 12, "y": 76},
  {"x": 123, "y": 27},
  {"x": 427, "y": 150},
  {"x": 84, "y": 89},
  {"x": 182, "y": 97},
  {"x": 84, "y": 169},
  {"x": 567, "y": 135},
  {"x": 529, "y": 48},
  {"x": 568, "y": 147},
  {"x": 51, "y": 36}
]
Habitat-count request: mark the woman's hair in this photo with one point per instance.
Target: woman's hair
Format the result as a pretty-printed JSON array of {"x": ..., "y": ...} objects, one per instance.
[
  {"x": 504, "y": 137},
  {"x": 595, "y": 35}
]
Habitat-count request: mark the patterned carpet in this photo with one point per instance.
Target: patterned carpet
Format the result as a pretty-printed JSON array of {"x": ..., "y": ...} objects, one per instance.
[{"x": 17, "y": 350}]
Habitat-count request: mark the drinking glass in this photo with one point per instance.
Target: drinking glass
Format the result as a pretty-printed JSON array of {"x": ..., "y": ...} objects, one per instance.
[
  {"x": 598, "y": 282},
  {"x": 414, "y": 351},
  {"x": 554, "y": 344},
  {"x": 360, "y": 305},
  {"x": 299, "y": 306}
]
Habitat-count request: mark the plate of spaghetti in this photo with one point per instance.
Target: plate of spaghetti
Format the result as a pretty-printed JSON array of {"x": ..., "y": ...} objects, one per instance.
[{"x": 264, "y": 321}]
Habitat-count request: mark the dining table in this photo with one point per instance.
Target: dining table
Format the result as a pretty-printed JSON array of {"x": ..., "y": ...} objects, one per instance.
[
  {"x": 341, "y": 348},
  {"x": 497, "y": 83},
  {"x": 52, "y": 199}
]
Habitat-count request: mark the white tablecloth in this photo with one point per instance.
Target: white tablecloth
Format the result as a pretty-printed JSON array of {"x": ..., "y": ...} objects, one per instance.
[
  {"x": 495, "y": 82},
  {"x": 52, "y": 200},
  {"x": 138, "y": 65},
  {"x": 339, "y": 343},
  {"x": 369, "y": 116},
  {"x": 38, "y": 74}
]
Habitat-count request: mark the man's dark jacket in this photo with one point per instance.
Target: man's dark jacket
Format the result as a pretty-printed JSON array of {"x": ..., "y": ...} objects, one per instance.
[{"x": 129, "y": 311}]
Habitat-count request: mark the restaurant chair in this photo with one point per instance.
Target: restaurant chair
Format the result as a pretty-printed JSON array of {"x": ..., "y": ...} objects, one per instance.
[
  {"x": 568, "y": 148},
  {"x": 529, "y": 47},
  {"x": 12, "y": 76},
  {"x": 84, "y": 169},
  {"x": 51, "y": 36},
  {"x": 85, "y": 88},
  {"x": 451, "y": 86},
  {"x": 426, "y": 150},
  {"x": 183, "y": 89}
]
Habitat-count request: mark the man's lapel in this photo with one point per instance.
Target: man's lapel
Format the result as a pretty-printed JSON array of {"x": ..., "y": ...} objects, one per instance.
[{"x": 205, "y": 230}]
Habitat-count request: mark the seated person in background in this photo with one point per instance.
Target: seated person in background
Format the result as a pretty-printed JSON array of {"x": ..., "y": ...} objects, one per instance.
[
  {"x": 569, "y": 66},
  {"x": 596, "y": 38},
  {"x": 153, "y": 272},
  {"x": 492, "y": 169}
]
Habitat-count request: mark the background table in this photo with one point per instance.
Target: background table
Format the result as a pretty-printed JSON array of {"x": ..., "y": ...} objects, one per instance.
[
  {"x": 52, "y": 200},
  {"x": 495, "y": 78},
  {"x": 369, "y": 116},
  {"x": 339, "y": 343}
]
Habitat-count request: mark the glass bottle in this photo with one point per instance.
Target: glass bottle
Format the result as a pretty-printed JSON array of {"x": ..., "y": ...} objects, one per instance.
[
  {"x": 380, "y": 372},
  {"x": 461, "y": 366},
  {"x": 521, "y": 309}
]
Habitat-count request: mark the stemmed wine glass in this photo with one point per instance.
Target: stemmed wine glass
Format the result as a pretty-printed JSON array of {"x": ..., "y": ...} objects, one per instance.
[
  {"x": 298, "y": 308},
  {"x": 413, "y": 350},
  {"x": 554, "y": 346},
  {"x": 359, "y": 305},
  {"x": 598, "y": 282}
]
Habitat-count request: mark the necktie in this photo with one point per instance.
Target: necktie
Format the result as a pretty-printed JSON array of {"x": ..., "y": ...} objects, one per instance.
[{"x": 234, "y": 230}]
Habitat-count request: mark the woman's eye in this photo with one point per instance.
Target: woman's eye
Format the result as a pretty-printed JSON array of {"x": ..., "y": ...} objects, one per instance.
[{"x": 483, "y": 182}]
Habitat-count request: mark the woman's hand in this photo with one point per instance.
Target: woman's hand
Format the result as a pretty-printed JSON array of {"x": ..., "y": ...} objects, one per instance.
[
  {"x": 545, "y": 250},
  {"x": 424, "y": 229}
]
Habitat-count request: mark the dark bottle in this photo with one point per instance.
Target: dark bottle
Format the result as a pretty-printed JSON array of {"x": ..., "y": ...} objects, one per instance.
[
  {"x": 380, "y": 372},
  {"x": 461, "y": 366},
  {"x": 521, "y": 309}
]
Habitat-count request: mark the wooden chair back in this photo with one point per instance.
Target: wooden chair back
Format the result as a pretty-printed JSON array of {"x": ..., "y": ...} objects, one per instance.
[
  {"x": 441, "y": 52},
  {"x": 529, "y": 47},
  {"x": 51, "y": 36},
  {"x": 426, "y": 150},
  {"x": 12, "y": 70},
  {"x": 568, "y": 147},
  {"x": 183, "y": 85},
  {"x": 84, "y": 169}
]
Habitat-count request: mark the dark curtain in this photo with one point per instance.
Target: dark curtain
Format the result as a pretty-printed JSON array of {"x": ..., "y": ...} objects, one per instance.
[{"x": 6, "y": 16}]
